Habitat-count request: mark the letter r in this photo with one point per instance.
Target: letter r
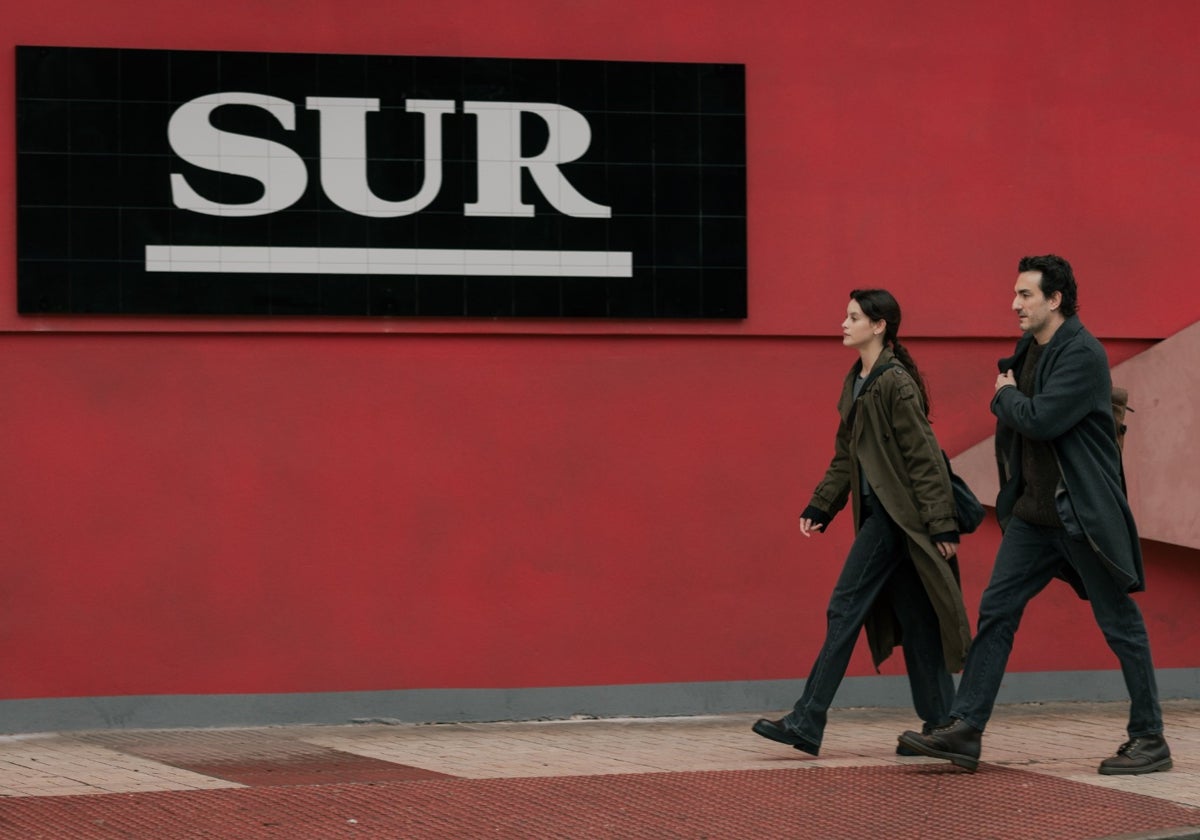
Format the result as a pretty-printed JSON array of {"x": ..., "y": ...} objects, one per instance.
[{"x": 500, "y": 160}]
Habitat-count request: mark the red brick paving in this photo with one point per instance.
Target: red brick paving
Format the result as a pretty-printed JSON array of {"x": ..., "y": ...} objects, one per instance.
[{"x": 894, "y": 802}]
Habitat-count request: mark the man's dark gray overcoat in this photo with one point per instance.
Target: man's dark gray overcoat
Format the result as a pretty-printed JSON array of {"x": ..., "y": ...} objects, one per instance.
[{"x": 1072, "y": 409}]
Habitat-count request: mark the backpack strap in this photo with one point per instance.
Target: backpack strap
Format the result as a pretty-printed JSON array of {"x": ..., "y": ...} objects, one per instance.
[{"x": 875, "y": 373}]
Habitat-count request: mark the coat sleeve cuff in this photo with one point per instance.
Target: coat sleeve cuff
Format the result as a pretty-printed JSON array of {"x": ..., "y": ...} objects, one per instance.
[
  {"x": 818, "y": 516},
  {"x": 942, "y": 525}
]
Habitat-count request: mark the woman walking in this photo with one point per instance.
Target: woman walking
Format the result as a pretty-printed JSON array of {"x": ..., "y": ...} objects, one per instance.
[{"x": 900, "y": 579}]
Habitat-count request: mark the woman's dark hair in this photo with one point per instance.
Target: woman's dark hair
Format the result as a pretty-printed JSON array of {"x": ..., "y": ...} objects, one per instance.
[
  {"x": 879, "y": 305},
  {"x": 1057, "y": 276}
]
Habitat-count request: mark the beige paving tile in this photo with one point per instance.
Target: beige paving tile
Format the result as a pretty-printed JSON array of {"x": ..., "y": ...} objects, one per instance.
[{"x": 58, "y": 765}]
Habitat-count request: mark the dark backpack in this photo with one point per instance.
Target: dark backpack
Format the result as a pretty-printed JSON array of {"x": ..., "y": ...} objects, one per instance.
[{"x": 968, "y": 510}]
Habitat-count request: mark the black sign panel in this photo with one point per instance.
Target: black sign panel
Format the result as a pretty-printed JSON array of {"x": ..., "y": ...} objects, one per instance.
[{"x": 229, "y": 183}]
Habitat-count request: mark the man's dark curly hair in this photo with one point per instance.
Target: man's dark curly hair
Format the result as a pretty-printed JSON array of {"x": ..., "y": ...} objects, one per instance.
[{"x": 1057, "y": 276}]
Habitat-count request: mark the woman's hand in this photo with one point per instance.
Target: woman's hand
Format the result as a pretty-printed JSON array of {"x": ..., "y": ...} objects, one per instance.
[
  {"x": 946, "y": 549},
  {"x": 808, "y": 527}
]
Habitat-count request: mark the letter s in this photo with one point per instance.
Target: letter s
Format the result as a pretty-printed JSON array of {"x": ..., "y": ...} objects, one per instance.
[{"x": 279, "y": 169}]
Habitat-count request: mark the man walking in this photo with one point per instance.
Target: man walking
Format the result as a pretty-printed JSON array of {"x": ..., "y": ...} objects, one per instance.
[{"x": 1063, "y": 511}]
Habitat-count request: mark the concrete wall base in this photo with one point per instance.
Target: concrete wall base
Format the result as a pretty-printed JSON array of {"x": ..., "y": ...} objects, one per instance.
[{"x": 460, "y": 705}]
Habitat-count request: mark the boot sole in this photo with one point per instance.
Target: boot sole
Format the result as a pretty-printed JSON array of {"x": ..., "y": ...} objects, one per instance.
[
  {"x": 1161, "y": 764},
  {"x": 966, "y": 762}
]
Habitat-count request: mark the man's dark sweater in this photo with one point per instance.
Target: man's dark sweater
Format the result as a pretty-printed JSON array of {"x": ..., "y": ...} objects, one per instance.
[{"x": 1038, "y": 467}]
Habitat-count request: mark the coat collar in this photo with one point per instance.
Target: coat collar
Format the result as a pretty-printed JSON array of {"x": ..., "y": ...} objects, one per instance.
[
  {"x": 1069, "y": 329},
  {"x": 886, "y": 359}
]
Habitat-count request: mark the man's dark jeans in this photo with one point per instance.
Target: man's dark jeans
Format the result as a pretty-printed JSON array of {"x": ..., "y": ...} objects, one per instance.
[
  {"x": 878, "y": 563},
  {"x": 1028, "y": 558}
]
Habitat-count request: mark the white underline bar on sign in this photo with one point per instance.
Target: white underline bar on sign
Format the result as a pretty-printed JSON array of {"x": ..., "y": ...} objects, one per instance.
[{"x": 237, "y": 259}]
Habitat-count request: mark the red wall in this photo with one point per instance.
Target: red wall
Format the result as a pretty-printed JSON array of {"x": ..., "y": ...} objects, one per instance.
[{"x": 213, "y": 506}]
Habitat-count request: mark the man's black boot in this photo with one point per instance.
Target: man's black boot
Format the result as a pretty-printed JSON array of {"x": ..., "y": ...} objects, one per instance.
[
  {"x": 958, "y": 743},
  {"x": 903, "y": 750},
  {"x": 1138, "y": 755},
  {"x": 776, "y": 730}
]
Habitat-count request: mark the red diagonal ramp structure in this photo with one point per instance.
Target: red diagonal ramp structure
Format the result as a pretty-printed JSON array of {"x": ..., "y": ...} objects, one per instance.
[{"x": 1162, "y": 456}]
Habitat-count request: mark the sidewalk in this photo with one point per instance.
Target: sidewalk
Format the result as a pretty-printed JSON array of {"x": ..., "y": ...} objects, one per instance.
[{"x": 703, "y": 777}]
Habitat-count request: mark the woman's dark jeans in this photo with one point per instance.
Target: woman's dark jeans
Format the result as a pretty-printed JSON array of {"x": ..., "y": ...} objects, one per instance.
[
  {"x": 1028, "y": 558},
  {"x": 878, "y": 563}
]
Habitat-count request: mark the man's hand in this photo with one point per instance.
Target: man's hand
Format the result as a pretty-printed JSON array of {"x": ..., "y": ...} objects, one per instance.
[
  {"x": 947, "y": 550},
  {"x": 1004, "y": 379}
]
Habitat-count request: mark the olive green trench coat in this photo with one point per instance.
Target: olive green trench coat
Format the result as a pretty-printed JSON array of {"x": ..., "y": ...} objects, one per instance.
[{"x": 888, "y": 433}]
